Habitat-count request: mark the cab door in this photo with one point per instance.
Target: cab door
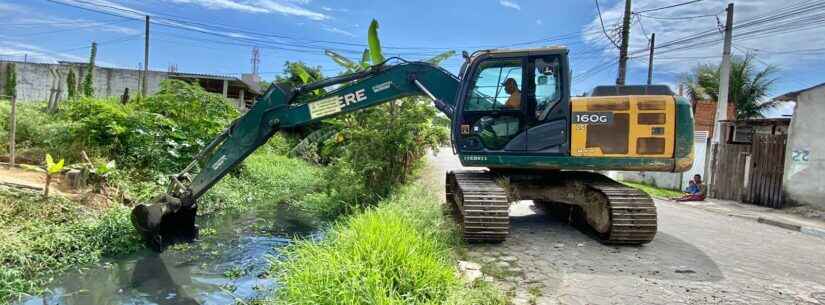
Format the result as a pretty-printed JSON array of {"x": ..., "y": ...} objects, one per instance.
[
  {"x": 493, "y": 112},
  {"x": 547, "y": 105}
]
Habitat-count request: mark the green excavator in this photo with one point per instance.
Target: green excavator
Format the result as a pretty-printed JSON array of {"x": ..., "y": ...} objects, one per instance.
[{"x": 511, "y": 113}]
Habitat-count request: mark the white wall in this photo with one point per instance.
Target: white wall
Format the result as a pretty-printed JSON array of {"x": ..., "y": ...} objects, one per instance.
[{"x": 804, "y": 179}]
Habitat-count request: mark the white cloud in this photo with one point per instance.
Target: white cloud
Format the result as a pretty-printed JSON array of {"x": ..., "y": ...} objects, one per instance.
[
  {"x": 18, "y": 50},
  {"x": 290, "y": 9},
  {"x": 223, "y": 4},
  {"x": 286, "y": 7},
  {"x": 510, "y": 4},
  {"x": 339, "y": 31},
  {"x": 684, "y": 57}
]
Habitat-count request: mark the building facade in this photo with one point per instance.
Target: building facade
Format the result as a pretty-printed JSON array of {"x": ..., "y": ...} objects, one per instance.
[{"x": 46, "y": 81}]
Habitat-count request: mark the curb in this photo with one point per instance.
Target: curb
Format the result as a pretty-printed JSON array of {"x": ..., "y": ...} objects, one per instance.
[{"x": 812, "y": 231}]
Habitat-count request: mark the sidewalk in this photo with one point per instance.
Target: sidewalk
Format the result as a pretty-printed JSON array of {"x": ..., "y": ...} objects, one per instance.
[{"x": 803, "y": 219}]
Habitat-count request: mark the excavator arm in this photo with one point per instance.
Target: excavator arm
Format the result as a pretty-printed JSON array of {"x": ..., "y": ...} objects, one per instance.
[{"x": 170, "y": 218}]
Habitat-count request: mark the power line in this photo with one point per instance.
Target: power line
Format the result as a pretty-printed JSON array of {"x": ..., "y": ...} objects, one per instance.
[
  {"x": 599, "y": 10},
  {"x": 669, "y": 6}
]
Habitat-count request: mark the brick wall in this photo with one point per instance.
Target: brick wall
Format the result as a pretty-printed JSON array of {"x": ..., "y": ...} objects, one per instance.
[{"x": 704, "y": 114}]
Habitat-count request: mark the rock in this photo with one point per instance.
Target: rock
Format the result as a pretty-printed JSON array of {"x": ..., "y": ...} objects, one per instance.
[
  {"x": 470, "y": 276},
  {"x": 558, "y": 245},
  {"x": 465, "y": 265},
  {"x": 469, "y": 271},
  {"x": 503, "y": 264},
  {"x": 580, "y": 245},
  {"x": 508, "y": 259},
  {"x": 488, "y": 259}
]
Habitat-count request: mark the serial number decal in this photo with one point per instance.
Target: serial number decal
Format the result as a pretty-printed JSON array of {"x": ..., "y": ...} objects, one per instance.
[
  {"x": 324, "y": 107},
  {"x": 381, "y": 87},
  {"x": 218, "y": 163},
  {"x": 593, "y": 118},
  {"x": 334, "y": 104},
  {"x": 475, "y": 158}
]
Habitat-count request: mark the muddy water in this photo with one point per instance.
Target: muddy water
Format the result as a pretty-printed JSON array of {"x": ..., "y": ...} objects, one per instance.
[{"x": 229, "y": 263}]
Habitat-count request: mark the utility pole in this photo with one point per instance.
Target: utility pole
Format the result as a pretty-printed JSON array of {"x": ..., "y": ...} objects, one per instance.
[
  {"x": 724, "y": 79},
  {"x": 650, "y": 59},
  {"x": 722, "y": 103},
  {"x": 625, "y": 42},
  {"x": 144, "y": 90}
]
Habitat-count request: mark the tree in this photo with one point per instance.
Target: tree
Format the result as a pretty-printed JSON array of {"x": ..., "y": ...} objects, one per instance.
[
  {"x": 749, "y": 86},
  {"x": 88, "y": 79},
  {"x": 11, "y": 80},
  {"x": 71, "y": 84}
]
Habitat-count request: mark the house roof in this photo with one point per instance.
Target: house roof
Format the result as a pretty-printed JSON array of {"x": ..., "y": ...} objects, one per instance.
[
  {"x": 253, "y": 89},
  {"x": 792, "y": 96},
  {"x": 760, "y": 121}
]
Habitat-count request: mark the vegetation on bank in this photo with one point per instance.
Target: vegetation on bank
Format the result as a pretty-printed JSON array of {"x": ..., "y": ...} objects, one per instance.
[
  {"x": 148, "y": 139},
  {"x": 654, "y": 191},
  {"x": 399, "y": 252}
]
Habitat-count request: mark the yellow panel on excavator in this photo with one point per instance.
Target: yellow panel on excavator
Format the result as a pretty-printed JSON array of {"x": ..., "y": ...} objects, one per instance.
[{"x": 623, "y": 126}]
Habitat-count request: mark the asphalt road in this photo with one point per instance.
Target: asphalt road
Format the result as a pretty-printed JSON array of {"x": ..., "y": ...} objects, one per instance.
[{"x": 697, "y": 257}]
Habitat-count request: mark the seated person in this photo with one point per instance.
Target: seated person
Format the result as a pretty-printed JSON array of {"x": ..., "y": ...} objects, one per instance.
[
  {"x": 511, "y": 87},
  {"x": 696, "y": 191}
]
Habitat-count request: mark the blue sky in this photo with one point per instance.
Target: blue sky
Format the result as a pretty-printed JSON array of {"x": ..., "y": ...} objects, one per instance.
[{"x": 46, "y": 30}]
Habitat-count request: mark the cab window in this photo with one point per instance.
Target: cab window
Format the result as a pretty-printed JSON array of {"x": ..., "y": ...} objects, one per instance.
[
  {"x": 497, "y": 86},
  {"x": 547, "y": 85}
]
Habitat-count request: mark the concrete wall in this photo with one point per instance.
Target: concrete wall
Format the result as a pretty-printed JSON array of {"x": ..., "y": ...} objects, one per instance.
[
  {"x": 663, "y": 180},
  {"x": 34, "y": 80},
  {"x": 803, "y": 180}
]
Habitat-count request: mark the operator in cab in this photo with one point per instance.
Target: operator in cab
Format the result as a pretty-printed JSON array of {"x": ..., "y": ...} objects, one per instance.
[{"x": 511, "y": 87}]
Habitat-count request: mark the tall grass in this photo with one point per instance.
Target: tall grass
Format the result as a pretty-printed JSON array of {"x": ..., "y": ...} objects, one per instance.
[{"x": 397, "y": 253}]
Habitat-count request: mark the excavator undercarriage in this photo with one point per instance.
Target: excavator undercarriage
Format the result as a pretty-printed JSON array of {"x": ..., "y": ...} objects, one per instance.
[{"x": 617, "y": 213}]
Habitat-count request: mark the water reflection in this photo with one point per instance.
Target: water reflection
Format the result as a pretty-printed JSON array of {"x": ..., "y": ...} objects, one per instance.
[{"x": 227, "y": 265}]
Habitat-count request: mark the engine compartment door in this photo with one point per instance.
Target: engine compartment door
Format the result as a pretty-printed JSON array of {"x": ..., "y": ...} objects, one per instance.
[{"x": 623, "y": 126}]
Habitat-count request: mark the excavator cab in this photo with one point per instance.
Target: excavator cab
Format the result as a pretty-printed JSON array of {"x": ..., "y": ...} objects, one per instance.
[{"x": 513, "y": 102}]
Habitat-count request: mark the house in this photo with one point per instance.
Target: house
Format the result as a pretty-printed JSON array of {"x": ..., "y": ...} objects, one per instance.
[
  {"x": 802, "y": 181},
  {"x": 47, "y": 81},
  {"x": 748, "y": 162}
]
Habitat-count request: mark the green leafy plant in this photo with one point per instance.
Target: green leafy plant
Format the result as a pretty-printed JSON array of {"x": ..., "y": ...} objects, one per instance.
[
  {"x": 71, "y": 84},
  {"x": 52, "y": 168},
  {"x": 88, "y": 80},
  {"x": 377, "y": 149},
  {"x": 11, "y": 80}
]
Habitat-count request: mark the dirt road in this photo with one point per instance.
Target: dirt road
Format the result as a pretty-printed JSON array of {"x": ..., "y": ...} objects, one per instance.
[{"x": 698, "y": 257}]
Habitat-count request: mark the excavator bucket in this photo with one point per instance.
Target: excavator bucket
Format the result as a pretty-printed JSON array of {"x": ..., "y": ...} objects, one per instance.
[{"x": 165, "y": 222}]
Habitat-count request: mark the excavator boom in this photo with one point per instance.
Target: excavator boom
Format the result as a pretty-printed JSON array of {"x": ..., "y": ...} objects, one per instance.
[{"x": 171, "y": 216}]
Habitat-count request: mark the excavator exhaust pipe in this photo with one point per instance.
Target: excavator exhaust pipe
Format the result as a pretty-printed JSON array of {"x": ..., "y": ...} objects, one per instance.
[{"x": 165, "y": 222}]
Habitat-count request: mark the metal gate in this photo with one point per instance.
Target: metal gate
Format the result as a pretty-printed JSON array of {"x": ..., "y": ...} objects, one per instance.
[{"x": 750, "y": 173}]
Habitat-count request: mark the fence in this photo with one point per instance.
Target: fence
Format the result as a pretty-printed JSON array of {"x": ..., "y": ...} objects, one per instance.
[{"x": 750, "y": 173}]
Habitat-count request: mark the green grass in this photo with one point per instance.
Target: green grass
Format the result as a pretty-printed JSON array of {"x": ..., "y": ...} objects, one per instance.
[
  {"x": 654, "y": 191},
  {"x": 400, "y": 252}
]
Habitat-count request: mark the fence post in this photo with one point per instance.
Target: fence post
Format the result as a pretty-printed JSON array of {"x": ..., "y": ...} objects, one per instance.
[{"x": 12, "y": 130}]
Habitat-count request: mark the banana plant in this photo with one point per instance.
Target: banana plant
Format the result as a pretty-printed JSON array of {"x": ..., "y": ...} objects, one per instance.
[
  {"x": 50, "y": 170},
  {"x": 373, "y": 55}
]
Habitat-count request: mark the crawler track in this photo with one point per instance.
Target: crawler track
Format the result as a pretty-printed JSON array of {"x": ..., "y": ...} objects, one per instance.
[
  {"x": 480, "y": 205},
  {"x": 632, "y": 214}
]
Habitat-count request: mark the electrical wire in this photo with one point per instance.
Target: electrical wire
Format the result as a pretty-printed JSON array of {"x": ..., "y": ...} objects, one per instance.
[{"x": 669, "y": 6}]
